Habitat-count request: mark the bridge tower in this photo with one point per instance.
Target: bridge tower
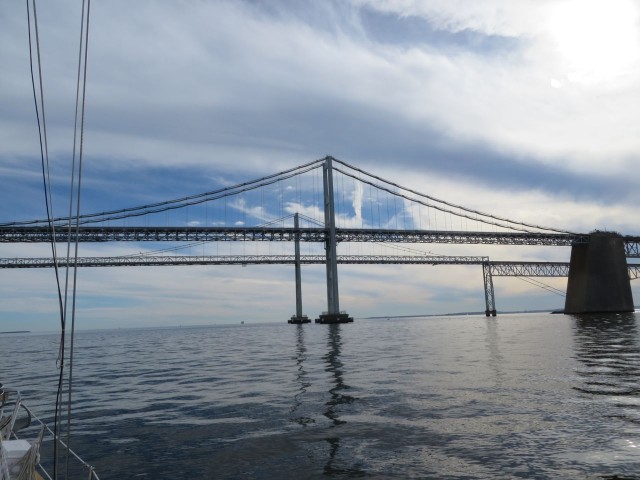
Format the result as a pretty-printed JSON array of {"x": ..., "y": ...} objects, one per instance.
[
  {"x": 299, "y": 317},
  {"x": 333, "y": 314},
  {"x": 599, "y": 276},
  {"x": 489, "y": 295}
]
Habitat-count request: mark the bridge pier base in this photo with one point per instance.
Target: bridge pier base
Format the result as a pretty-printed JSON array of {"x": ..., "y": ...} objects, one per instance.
[
  {"x": 341, "y": 317},
  {"x": 599, "y": 276},
  {"x": 295, "y": 320}
]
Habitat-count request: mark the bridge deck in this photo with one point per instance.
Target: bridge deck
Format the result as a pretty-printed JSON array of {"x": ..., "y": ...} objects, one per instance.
[
  {"x": 225, "y": 234},
  {"x": 498, "y": 268}
]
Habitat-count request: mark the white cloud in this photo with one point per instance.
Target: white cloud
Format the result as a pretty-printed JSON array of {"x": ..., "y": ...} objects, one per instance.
[
  {"x": 490, "y": 17},
  {"x": 257, "y": 212},
  {"x": 357, "y": 201},
  {"x": 142, "y": 106}
]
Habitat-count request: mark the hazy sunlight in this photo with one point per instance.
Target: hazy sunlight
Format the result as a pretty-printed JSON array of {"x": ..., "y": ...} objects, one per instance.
[{"x": 598, "y": 39}]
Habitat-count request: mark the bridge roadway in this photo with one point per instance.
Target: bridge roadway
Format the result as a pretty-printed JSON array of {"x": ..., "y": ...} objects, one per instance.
[
  {"x": 12, "y": 234},
  {"x": 39, "y": 234},
  {"x": 500, "y": 268}
]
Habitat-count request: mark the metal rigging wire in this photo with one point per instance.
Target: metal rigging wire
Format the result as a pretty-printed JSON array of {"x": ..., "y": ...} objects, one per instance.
[
  {"x": 84, "y": 30},
  {"x": 46, "y": 179},
  {"x": 51, "y": 222}
]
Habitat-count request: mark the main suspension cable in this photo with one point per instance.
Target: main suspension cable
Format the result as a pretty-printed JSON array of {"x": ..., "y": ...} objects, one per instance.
[
  {"x": 189, "y": 200},
  {"x": 436, "y": 207},
  {"x": 453, "y": 205}
]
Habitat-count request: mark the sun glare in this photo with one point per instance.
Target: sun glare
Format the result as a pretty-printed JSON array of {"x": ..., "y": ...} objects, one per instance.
[{"x": 597, "y": 39}]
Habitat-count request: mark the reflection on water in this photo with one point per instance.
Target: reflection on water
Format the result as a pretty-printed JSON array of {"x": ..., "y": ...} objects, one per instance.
[
  {"x": 409, "y": 398},
  {"x": 302, "y": 379},
  {"x": 496, "y": 360},
  {"x": 608, "y": 348},
  {"x": 333, "y": 365}
]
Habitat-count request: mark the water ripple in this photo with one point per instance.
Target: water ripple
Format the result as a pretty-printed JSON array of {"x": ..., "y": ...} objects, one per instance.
[{"x": 517, "y": 396}]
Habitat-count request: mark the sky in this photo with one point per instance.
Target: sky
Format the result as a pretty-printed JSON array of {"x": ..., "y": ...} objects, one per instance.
[{"x": 522, "y": 108}]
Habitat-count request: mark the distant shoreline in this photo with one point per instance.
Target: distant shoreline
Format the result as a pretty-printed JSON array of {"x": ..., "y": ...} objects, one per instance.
[
  {"x": 17, "y": 331},
  {"x": 457, "y": 314}
]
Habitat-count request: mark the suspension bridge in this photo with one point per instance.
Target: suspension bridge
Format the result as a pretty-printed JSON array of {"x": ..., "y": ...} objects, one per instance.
[{"x": 338, "y": 205}]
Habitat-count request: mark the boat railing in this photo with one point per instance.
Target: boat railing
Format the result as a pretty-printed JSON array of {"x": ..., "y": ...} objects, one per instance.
[{"x": 48, "y": 437}]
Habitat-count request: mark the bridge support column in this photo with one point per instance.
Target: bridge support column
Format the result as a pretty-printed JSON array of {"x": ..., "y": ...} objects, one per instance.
[
  {"x": 333, "y": 314},
  {"x": 599, "y": 276},
  {"x": 489, "y": 297},
  {"x": 298, "y": 317}
]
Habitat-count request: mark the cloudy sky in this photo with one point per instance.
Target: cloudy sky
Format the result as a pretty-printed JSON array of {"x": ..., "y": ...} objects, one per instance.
[{"x": 522, "y": 108}]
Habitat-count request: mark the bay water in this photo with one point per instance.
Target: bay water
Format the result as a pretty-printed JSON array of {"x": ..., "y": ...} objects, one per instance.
[{"x": 516, "y": 396}]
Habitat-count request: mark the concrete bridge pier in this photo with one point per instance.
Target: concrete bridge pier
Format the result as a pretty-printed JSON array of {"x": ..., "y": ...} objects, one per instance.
[
  {"x": 299, "y": 317},
  {"x": 599, "y": 276}
]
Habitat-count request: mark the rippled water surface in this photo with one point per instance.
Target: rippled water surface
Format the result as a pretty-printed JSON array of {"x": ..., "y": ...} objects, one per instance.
[{"x": 528, "y": 396}]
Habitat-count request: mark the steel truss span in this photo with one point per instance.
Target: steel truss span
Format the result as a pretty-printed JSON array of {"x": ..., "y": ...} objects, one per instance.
[
  {"x": 430, "y": 236},
  {"x": 529, "y": 269},
  {"x": 497, "y": 269},
  {"x": 166, "y": 260},
  {"x": 257, "y": 234},
  {"x": 632, "y": 247}
]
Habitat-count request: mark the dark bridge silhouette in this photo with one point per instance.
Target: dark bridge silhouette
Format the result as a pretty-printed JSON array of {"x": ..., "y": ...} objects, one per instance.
[{"x": 599, "y": 276}]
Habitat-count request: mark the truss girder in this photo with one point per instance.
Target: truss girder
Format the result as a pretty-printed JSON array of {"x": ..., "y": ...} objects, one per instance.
[
  {"x": 166, "y": 260},
  {"x": 430, "y": 236},
  {"x": 632, "y": 247},
  {"x": 529, "y": 269},
  {"x": 232, "y": 234},
  {"x": 496, "y": 269},
  {"x": 162, "y": 234}
]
